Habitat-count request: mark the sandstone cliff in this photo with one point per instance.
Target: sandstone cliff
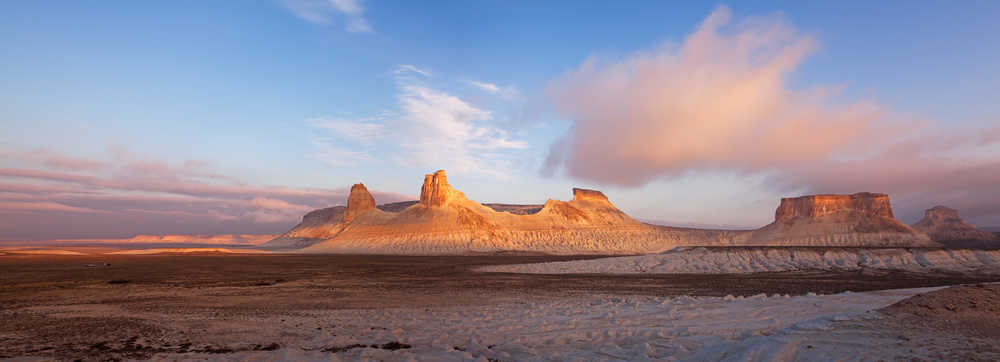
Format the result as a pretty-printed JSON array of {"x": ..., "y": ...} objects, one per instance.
[
  {"x": 444, "y": 221},
  {"x": 359, "y": 202},
  {"x": 943, "y": 224},
  {"x": 861, "y": 219},
  {"x": 325, "y": 223}
]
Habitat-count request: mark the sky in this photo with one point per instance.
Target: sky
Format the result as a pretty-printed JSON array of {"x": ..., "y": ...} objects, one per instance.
[{"x": 209, "y": 117}]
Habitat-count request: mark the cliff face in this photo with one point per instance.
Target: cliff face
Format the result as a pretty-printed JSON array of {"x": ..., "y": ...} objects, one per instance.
[
  {"x": 943, "y": 224},
  {"x": 814, "y": 207},
  {"x": 437, "y": 192},
  {"x": 588, "y": 195},
  {"x": 444, "y": 221},
  {"x": 861, "y": 219},
  {"x": 359, "y": 202}
]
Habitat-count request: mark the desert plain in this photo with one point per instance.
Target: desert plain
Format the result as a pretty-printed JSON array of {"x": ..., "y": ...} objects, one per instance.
[
  {"x": 448, "y": 278},
  {"x": 197, "y": 306}
]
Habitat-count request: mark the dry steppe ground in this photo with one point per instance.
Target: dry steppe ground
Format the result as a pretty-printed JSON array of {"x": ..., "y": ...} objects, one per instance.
[{"x": 58, "y": 306}]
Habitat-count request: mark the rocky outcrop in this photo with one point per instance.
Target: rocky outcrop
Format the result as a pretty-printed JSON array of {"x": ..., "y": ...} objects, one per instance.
[
  {"x": 814, "y": 207},
  {"x": 588, "y": 195},
  {"x": 861, "y": 219},
  {"x": 943, "y": 224},
  {"x": 359, "y": 202},
  {"x": 444, "y": 221},
  {"x": 437, "y": 192}
]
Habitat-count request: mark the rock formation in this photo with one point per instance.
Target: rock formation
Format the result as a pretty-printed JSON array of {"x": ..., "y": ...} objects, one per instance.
[
  {"x": 815, "y": 207},
  {"x": 444, "y": 221},
  {"x": 437, "y": 192},
  {"x": 861, "y": 219},
  {"x": 359, "y": 202},
  {"x": 943, "y": 224}
]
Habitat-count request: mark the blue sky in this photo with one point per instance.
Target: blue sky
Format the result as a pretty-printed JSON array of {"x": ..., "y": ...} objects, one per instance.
[{"x": 316, "y": 94}]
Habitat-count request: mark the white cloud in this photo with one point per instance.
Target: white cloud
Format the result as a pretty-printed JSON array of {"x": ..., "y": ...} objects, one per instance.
[
  {"x": 403, "y": 69},
  {"x": 313, "y": 11},
  {"x": 321, "y": 11},
  {"x": 431, "y": 128},
  {"x": 443, "y": 131},
  {"x": 508, "y": 93},
  {"x": 348, "y": 7},
  {"x": 489, "y": 87}
]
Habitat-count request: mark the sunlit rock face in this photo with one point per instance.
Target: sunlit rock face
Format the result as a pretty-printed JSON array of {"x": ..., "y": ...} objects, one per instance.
[
  {"x": 943, "y": 224},
  {"x": 861, "y": 219},
  {"x": 814, "y": 207},
  {"x": 436, "y": 191},
  {"x": 359, "y": 202},
  {"x": 585, "y": 194},
  {"x": 444, "y": 221}
]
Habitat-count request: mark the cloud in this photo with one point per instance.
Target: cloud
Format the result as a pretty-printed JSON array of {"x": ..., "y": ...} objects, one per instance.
[
  {"x": 507, "y": 93},
  {"x": 320, "y": 12},
  {"x": 488, "y": 87},
  {"x": 135, "y": 194},
  {"x": 442, "y": 130},
  {"x": 43, "y": 206},
  {"x": 402, "y": 69},
  {"x": 430, "y": 127},
  {"x": 720, "y": 101}
]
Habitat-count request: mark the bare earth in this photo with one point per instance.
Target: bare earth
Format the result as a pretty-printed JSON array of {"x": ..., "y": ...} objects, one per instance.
[{"x": 346, "y": 306}]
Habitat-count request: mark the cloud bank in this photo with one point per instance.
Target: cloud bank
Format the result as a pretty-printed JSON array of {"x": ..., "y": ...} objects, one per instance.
[
  {"x": 721, "y": 101},
  {"x": 131, "y": 194}
]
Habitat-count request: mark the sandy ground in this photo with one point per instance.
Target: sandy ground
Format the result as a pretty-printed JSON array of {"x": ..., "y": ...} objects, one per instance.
[
  {"x": 264, "y": 307},
  {"x": 729, "y": 260}
]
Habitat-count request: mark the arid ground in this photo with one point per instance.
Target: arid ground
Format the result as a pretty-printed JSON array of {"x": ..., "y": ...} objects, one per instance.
[{"x": 97, "y": 307}]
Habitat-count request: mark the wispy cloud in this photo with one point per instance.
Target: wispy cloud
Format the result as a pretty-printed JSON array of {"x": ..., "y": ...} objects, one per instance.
[
  {"x": 442, "y": 130},
  {"x": 403, "y": 69},
  {"x": 430, "y": 127},
  {"x": 321, "y": 12},
  {"x": 508, "y": 93}
]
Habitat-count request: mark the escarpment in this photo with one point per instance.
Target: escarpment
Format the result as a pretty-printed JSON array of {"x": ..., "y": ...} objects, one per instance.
[
  {"x": 861, "y": 219},
  {"x": 815, "y": 207},
  {"x": 943, "y": 224},
  {"x": 444, "y": 221}
]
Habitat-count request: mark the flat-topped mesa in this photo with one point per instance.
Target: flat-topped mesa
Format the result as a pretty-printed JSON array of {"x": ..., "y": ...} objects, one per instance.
[
  {"x": 943, "y": 224},
  {"x": 588, "y": 195},
  {"x": 437, "y": 192},
  {"x": 359, "y": 202},
  {"x": 941, "y": 213},
  {"x": 816, "y": 206}
]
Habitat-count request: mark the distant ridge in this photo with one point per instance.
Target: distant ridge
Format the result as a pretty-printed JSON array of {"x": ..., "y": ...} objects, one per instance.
[{"x": 444, "y": 221}]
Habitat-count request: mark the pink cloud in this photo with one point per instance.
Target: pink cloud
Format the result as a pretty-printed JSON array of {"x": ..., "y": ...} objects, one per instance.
[
  {"x": 139, "y": 195},
  {"x": 43, "y": 206},
  {"x": 720, "y": 101}
]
